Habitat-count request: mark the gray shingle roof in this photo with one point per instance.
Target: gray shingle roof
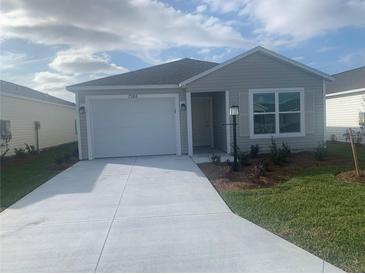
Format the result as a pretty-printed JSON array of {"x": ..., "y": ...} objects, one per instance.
[
  {"x": 171, "y": 73},
  {"x": 14, "y": 89},
  {"x": 347, "y": 80}
]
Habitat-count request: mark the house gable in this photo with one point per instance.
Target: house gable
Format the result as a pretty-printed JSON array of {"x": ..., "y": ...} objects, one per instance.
[{"x": 257, "y": 70}]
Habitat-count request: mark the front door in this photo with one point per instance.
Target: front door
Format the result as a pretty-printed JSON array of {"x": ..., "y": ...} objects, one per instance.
[{"x": 202, "y": 121}]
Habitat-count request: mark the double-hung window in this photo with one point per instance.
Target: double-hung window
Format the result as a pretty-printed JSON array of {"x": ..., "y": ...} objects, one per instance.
[{"x": 276, "y": 112}]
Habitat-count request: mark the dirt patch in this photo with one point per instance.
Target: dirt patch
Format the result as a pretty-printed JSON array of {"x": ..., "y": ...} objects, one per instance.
[
  {"x": 350, "y": 176},
  {"x": 223, "y": 178},
  {"x": 63, "y": 166}
]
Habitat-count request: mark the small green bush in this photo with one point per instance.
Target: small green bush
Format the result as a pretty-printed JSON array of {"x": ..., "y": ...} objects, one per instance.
[
  {"x": 279, "y": 156},
  {"x": 30, "y": 149},
  {"x": 243, "y": 158},
  {"x": 286, "y": 149},
  {"x": 255, "y": 149},
  {"x": 215, "y": 159},
  {"x": 260, "y": 168},
  {"x": 19, "y": 152},
  {"x": 321, "y": 152}
]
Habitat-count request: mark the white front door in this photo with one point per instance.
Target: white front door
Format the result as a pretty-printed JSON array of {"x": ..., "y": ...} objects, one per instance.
[
  {"x": 132, "y": 126},
  {"x": 202, "y": 121}
]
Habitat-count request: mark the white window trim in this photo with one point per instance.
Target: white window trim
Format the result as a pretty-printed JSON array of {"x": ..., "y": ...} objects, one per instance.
[{"x": 277, "y": 134}]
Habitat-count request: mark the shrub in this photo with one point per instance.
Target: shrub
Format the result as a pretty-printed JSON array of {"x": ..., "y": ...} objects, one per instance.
[
  {"x": 30, "y": 149},
  {"x": 19, "y": 152},
  {"x": 243, "y": 158},
  {"x": 278, "y": 156},
  {"x": 286, "y": 149},
  {"x": 357, "y": 136},
  {"x": 259, "y": 168},
  {"x": 255, "y": 149},
  {"x": 320, "y": 153},
  {"x": 215, "y": 159},
  {"x": 4, "y": 145}
]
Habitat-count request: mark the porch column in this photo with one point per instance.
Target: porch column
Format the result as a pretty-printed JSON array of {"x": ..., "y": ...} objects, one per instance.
[
  {"x": 189, "y": 123},
  {"x": 228, "y": 121}
]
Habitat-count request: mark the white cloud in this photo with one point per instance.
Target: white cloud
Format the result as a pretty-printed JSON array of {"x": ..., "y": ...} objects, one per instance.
[
  {"x": 53, "y": 83},
  {"x": 304, "y": 19},
  {"x": 72, "y": 66},
  {"x": 279, "y": 22},
  {"x": 354, "y": 59},
  {"x": 140, "y": 27},
  {"x": 82, "y": 61},
  {"x": 201, "y": 8},
  {"x": 10, "y": 60},
  {"x": 224, "y": 6}
]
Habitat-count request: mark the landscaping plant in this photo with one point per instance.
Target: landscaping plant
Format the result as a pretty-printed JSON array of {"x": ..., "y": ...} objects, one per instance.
[
  {"x": 215, "y": 159},
  {"x": 286, "y": 149},
  {"x": 243, "y": 158},
  {"x": 259, "y": 168},
  {"x": 279, "y": 156},
  {"x": 4, "y": 146},
  {"x": 320, "y": 153},
  {"x": 19, "y": 152},
  {"x": 30, "y": 149},
  {"x": 255, "y": 149}
]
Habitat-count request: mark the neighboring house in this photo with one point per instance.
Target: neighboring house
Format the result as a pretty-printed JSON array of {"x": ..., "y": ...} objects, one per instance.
[
  {"x": 22, "y": 108},
  {"x": 181, "y": 106},
  {"x": 345, "y": 100}
]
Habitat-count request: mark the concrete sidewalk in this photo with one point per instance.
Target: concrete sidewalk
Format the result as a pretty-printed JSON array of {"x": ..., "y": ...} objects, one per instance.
[{"x": 142, "y": 214}]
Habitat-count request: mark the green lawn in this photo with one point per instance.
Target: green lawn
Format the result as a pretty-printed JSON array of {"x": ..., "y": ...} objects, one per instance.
[
  {"x": 313, "y": 210},
  {"x": 21, "y": 176}
]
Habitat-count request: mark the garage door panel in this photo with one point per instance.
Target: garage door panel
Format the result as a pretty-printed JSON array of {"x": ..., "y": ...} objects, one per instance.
[{"x": 130, "y": 127}]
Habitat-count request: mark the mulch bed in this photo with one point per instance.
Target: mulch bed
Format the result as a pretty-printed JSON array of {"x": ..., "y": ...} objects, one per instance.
[
  {"x": 350, "y": 176},
  {"x": 223, "y": 178}
]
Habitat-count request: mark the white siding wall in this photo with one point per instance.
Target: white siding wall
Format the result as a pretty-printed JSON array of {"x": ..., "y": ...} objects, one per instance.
[
  {"x": 57, "y": 122},
  {"x": 343, "y": 112}
]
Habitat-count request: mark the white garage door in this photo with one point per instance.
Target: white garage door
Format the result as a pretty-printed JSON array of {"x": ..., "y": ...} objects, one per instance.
[{"x": 132, "y": 126}]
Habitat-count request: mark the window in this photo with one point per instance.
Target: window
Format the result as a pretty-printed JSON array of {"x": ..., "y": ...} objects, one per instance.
[
  {"x": 276, "y": 112},
  {"x": 5, "y": 129}
]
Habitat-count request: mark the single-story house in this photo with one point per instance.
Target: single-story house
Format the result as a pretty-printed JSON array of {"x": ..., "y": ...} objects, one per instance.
[
  {"x": 35, "y": 118},
  {"x": 183, "y": 106},
  {"x": 345, "y": 101}
]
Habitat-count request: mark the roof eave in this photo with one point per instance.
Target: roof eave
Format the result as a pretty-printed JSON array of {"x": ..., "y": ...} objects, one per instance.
[
  {"x": 75, "y": 89},
  {"x": 258, "y": 49}
]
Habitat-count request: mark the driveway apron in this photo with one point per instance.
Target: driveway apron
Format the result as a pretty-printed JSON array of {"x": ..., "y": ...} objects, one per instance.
[{"x": 139, "y": 214}]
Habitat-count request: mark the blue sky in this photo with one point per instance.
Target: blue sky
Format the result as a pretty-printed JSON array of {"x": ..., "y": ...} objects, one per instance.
[{"x": 47, "y": 44}]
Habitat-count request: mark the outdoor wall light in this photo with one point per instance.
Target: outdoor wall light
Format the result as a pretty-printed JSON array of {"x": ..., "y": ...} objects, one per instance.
[
  {"x": 182, "y": 106},
  {"x": 82, "y": 109},
  {"x": 234, "y": 110}
]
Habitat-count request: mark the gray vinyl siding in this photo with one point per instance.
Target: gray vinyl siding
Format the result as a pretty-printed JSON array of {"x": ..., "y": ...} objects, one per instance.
[
  {"x": 83, "y": 124},
  {"x": 262, "y": 71}
]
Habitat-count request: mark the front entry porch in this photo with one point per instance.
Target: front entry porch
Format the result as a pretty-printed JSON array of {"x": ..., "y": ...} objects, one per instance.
[{"x": 208, "y": 119}]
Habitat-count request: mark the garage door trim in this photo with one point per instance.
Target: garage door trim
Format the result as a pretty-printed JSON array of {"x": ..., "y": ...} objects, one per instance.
[{"x": 88, "y": 106}]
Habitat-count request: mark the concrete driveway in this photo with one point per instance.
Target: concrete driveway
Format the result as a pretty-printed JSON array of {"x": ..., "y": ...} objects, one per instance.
[{"x": 143, "y": 214}]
